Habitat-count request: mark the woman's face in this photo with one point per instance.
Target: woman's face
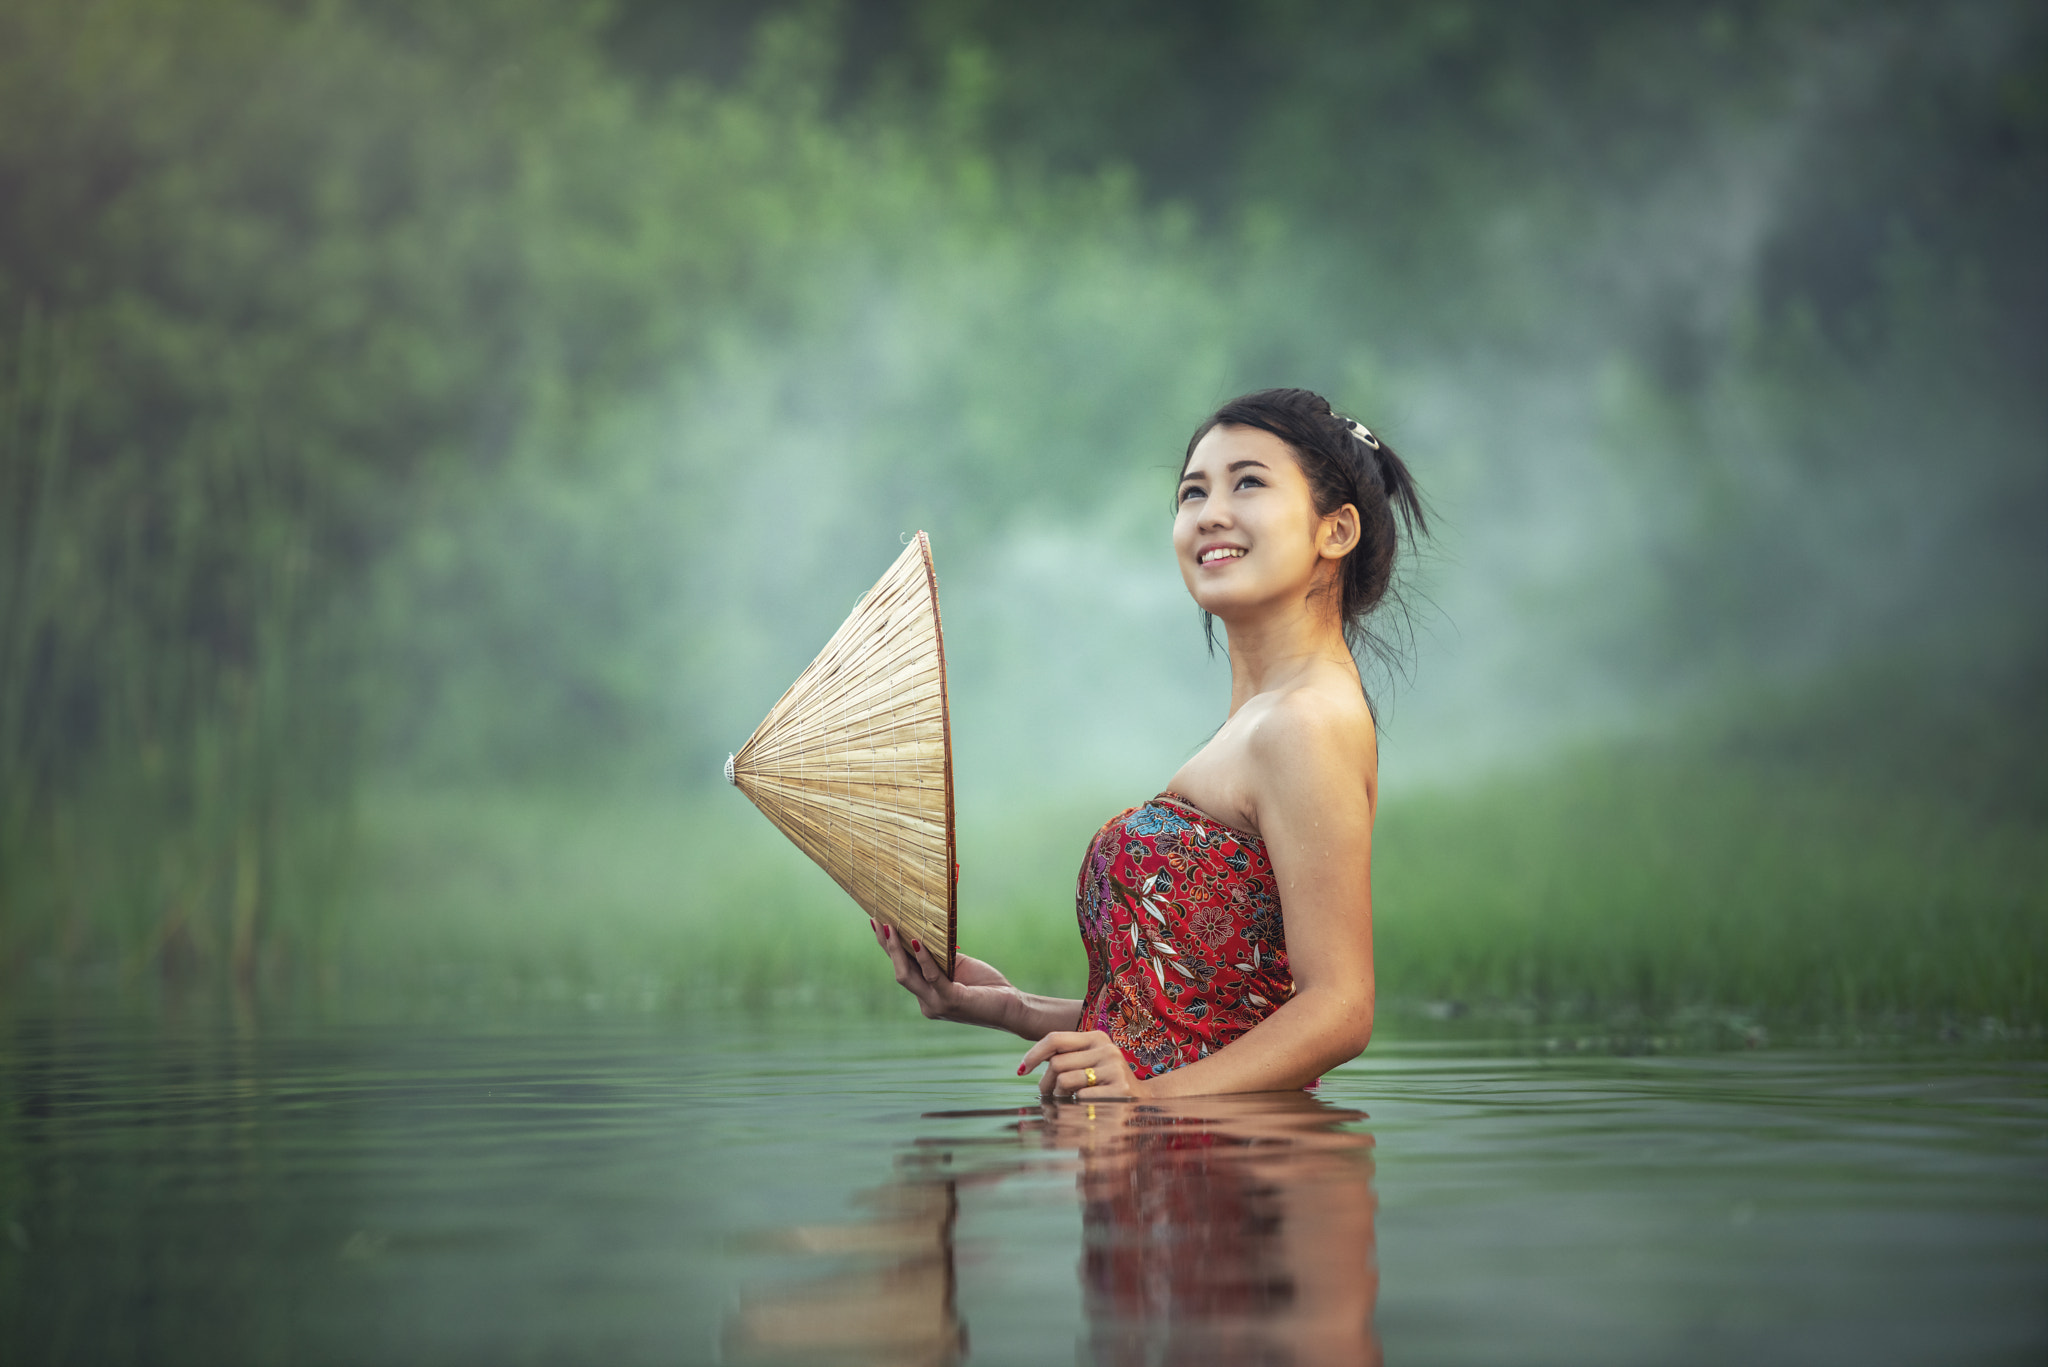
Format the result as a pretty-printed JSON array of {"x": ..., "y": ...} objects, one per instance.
[{"x": 1247, "y": 534}]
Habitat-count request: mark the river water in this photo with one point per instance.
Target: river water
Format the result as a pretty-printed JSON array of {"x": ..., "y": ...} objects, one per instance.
[{"x": 229, "y": 1189}]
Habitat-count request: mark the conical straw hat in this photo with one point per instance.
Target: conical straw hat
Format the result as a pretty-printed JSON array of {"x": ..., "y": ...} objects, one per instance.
[{"x": 855, "y": 763}]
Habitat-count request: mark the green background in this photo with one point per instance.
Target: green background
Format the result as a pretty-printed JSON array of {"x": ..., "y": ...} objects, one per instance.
[{"x": 432, "y": 434}]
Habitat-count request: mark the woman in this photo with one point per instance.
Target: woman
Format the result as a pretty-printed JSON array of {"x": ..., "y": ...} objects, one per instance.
[{"x": 1286, "y": 529}]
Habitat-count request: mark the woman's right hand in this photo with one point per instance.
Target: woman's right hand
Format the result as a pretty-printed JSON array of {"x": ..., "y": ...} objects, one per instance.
[{"x": 976, "y": 994}]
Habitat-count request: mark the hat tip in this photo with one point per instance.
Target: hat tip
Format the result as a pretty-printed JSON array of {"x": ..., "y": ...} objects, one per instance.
[{"x": 728, "y": 771}]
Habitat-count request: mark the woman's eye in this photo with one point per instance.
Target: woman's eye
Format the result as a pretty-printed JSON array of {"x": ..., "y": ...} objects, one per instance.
[
  {"x": 1251, "y": 482},
  {"x": 1192, "y": 491}
]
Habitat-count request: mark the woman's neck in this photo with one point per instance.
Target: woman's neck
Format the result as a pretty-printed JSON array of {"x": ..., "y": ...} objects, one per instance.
[{"x": 1275, "y": 650}]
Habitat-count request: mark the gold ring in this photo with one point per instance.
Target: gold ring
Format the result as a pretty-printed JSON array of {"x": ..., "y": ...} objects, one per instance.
[{"x": 1091, "y": 1078}]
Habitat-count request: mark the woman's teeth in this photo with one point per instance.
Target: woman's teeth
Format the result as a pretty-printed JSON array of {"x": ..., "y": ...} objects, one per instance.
[{"x": 1222, "y": 553}]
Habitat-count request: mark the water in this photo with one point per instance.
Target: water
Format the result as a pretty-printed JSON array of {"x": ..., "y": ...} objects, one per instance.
[{"x": 562, "y": 1190}]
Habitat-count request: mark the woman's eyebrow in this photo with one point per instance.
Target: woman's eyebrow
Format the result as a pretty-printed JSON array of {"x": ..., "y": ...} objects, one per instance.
[{"x": 1232, "y": 468}]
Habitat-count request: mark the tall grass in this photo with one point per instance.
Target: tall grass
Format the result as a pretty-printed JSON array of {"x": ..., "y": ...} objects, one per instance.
[
  {"x": 1876, "y": 851},
  {"x": 168, "y": 779},
  {"x": 1753, "y": 871},
  {"x": 652, "y": 901},
  {"x": 1654, "y": 885}
]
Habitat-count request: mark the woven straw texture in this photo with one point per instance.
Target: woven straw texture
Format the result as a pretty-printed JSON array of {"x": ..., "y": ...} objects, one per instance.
[{"x": 855, "y": 763}]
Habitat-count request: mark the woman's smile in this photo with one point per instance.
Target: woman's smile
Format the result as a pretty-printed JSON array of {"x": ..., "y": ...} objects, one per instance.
[{"x": 1221, "y": 554}]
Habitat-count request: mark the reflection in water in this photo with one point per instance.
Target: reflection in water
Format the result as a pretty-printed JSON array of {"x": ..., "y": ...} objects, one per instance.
[
  {"x": 895, "y": 1305},
  {"x": 1215, "y": 1229},
  {"x": 1226, "y": 1229}
]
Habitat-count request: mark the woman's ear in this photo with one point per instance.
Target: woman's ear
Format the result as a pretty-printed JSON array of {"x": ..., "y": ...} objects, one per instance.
[{"x": 1338, "y": 535}]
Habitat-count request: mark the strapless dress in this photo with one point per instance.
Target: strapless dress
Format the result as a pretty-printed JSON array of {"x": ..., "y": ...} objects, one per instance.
[{"x": 1186, "y": 949}]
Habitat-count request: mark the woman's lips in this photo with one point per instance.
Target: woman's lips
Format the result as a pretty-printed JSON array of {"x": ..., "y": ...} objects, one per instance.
[{"x": 1221, "y": 555}]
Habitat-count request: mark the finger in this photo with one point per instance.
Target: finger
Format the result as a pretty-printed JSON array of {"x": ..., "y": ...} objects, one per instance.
[
  {"x": 1105, "y": 1061},
  {"x": 1112, "y": 1080},
  {"x": 1055, "y": 1048},
  {"x": 1040, "y": 1052},
  {"x": 1073, "y": 1082},
  {"x": 1055, "y": 1064},
  {"x": 1063, "y": 1042},
  {"x": 1058, "y": 1042},
  {"x": 1068, "y": 1070},
  {"x": 926, "y": 964},
  {"x": 907, "y": 972}
]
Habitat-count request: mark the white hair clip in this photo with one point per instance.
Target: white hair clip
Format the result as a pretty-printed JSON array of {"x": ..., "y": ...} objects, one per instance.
[{"x": 1363, "y": 433}]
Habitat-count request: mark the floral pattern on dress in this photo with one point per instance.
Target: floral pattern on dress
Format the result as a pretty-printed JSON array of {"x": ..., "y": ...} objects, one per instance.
[
  {"x": 1213, "y": 924},
  {"x": 1186, "y": 948}
]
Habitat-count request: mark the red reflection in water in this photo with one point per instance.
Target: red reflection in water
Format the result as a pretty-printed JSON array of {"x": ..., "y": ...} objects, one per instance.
[{"x": 1219, "y": 1229}]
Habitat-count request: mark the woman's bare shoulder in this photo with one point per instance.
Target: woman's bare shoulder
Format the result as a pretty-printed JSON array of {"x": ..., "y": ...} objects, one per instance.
[{"x": 1317, "y": 727}]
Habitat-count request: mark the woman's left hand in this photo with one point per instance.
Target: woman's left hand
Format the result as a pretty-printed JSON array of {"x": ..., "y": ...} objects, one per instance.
[{"x": 1070, "y": 1056}]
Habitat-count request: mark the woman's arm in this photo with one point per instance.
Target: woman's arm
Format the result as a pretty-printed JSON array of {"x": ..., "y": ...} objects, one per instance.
[
  {"x": 1313, "y": 786},
  {"x": 976, "y": 994}
]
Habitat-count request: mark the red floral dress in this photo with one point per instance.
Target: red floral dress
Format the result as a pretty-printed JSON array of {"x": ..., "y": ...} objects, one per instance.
[{"x": 1186, "y": 950}]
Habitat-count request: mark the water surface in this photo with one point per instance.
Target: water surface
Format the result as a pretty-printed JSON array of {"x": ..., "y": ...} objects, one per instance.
[{"x": 578, "y": 1190}]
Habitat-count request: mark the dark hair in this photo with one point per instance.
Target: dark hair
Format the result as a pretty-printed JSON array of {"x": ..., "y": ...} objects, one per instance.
[{"x": 1345, "y": 463}]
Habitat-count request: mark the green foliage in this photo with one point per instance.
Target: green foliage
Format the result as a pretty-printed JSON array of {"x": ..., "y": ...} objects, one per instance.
[
  {"x": 352, "y": 301},
  {"x": 1849, "y": 861},
  {"x": 168, "y": 764},
  {"x": 1661, "y": 880},
  {"x": 421, "y": 423},
  {"x": 642, "y": 901}
]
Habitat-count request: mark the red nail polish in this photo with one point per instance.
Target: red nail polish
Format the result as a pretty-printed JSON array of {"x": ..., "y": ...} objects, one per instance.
[
  {"x": 915, "y": 945},
  {"x": 1020, "y": 1070}
]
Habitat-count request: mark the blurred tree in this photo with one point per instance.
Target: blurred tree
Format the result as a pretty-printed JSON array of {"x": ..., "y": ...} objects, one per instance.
[
  {"x": 1759, "y": 207},
  {"x": 364, "y": 363},
  {"x": 313, "y": 271}
]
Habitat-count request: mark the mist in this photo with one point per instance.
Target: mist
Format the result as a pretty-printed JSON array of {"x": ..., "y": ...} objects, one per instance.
[{"x": 580, "y": 400}]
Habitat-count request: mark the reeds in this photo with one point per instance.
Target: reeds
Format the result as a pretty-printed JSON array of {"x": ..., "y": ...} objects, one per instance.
[
  {"x": 1633, "y": 889},
  {"x": 168, "y": 741},
  {"x": 1858, "y": 861}
]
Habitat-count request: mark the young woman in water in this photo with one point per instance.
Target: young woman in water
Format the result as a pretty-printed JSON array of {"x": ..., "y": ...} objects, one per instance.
[{"x": 1289, "y": 518}]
